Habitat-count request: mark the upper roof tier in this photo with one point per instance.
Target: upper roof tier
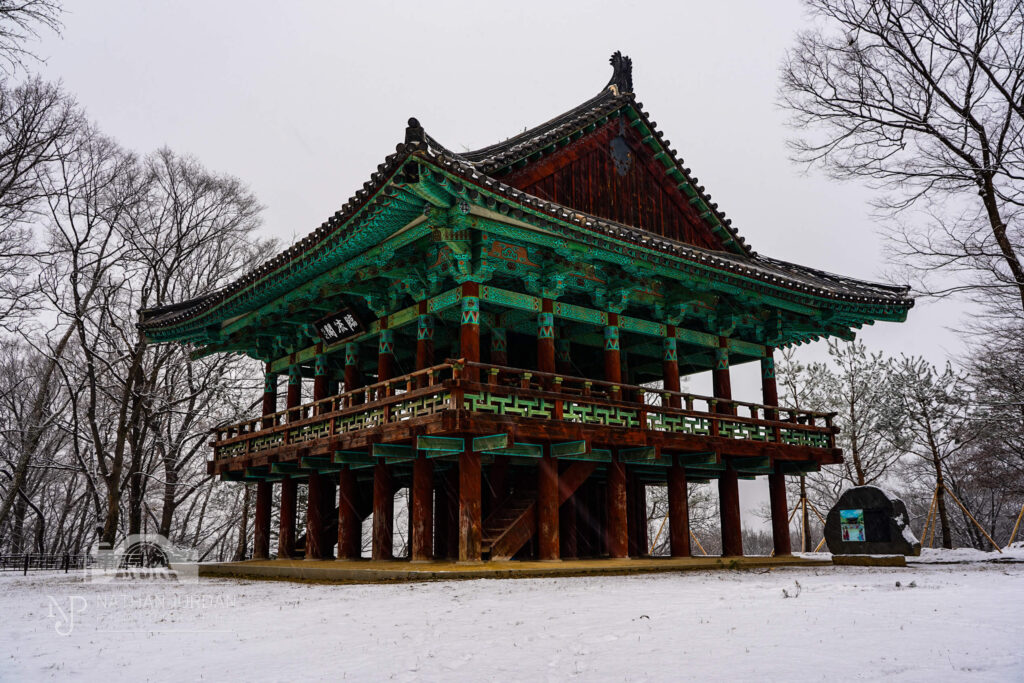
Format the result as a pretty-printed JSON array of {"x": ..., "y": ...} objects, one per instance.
[{"x": 599, "y": 173}]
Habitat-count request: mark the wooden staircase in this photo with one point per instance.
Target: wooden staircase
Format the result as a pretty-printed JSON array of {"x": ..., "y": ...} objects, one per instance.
[
  {"x": 510, "y": 526},
  {"x": 514, "y": 521}
]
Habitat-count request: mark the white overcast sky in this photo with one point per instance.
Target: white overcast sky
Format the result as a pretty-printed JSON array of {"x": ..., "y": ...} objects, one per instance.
[{"x": 302, "y": 100}]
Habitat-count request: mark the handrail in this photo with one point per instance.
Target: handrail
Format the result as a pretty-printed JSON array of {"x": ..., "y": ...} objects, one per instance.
[
  {"x": 554, "y": 386},
  {"x": 641, "y": 389}
]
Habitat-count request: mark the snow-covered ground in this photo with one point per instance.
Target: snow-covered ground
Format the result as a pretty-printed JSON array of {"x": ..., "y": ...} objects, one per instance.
[{"x": 928, "y": 622}]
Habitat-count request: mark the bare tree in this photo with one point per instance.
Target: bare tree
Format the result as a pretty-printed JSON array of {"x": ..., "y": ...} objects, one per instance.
[
  {"x": 37, "y": 121},
  {"x": 924, "y": 99},
  {"x": 22, "y": 21}
]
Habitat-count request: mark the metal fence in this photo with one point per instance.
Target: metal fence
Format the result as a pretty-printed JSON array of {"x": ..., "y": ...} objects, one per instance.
[{"x": 42, "y": 562}]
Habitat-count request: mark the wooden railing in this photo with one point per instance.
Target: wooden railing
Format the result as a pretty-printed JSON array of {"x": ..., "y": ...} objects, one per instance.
[{"x": 502, "y": 390}]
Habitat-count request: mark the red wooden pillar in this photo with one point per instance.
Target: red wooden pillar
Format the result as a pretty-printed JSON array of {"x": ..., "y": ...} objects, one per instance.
[
  {"x": 424, "y": 342},
  {"x": 616, "y": 525},
  {"x": 729, "y": 502},
  {"x": 353, "y": 379},
  {"x": 722, "y": 384},
  {"x": 315, "y": 522},
  {"x": 321, "y": 382},
  {"x": 547, "y": 507},
  {"x": 286, "y": 533},
  {"x": 422, "y": 509},
  {"x": 728, "y": 482},
  {"x": 294, "y": 391},
  {"x": 563, "y": 352},
  {"x": 383, "y": 513},
  {"x": 350, "y": 536},
  {"x": 678, "y": 512},
  {"x": 670, "y": 366},
  {"x": 385, "y": 353},
  {"x": 269, "y": 396},
  {"x": 776, "y": 480},
  {"x": 261, "y": 523},
  {"x": 612, "y": 359},
  {"x": 780, "y": 514},
  {"x": 470, "y": 514},
  {"x": 499, "y": 346},
  {"x": 469, "y": 328},
  {"x": 546, "y": 337}
]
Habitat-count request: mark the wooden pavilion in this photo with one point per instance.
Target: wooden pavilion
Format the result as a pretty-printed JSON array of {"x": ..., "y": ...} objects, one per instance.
[{"x": 503, "y": 332}]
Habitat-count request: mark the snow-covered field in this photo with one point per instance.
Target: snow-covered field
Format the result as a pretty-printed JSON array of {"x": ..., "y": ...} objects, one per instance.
[{"x": 929, "y": 622}]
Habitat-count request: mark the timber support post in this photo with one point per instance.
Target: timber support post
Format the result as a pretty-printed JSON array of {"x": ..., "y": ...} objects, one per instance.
[
  {"x": 617, "y": 526},
  {"x": 383, "y": 512},
  {"x": 470, "y": 513},
  {"x": 350, "y": 536},
  {"x": 286, "y": 534},
  {"x": 547, "y": 507},
  {"x": 421, "y": 509},
  {"x": 678, "y": 511},
  {"x": 261, "y": 521}
]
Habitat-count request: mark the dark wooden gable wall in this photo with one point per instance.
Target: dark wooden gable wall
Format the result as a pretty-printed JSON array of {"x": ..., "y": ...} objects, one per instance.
[{"x": 583, "y": 176}]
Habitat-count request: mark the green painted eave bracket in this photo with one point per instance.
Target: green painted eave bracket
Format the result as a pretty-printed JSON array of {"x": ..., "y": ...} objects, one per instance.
[
  {"x": 568, "y": 448},
  {"x": 393, "y": 453},
  {"x": 695, "y": 459},
  {"x": 758, "y": 465},
  {"x": 353, "y": 458},
  {"x": 593, "y": 455},
  {"x": 320, "y": 464},
  {"x": 521, "y": 450},
  {"x": 787, "y": 467},
  {"x": 646, "y": 455},
  {"x": 439, "y": 446},
  {"x": 491, "y": 442}
]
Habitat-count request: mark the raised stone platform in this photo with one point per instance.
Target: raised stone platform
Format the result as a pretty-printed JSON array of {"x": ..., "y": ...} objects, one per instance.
[{"x": 369, "y": 571}]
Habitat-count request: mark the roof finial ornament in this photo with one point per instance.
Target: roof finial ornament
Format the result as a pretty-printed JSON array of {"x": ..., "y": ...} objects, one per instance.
[
  {"x": 414, "y": 132},
  {"x": 622, "y": 73}
]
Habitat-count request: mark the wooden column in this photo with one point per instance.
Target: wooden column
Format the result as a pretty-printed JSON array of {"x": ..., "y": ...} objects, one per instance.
[
  {"x": 294, "y": 398},
  {"x": 617, "y": 531},
  {"x": 286, "y": 532},
  {"x": 321, "y": 382},
  {"x": 728, "y": 482},
  {"x": 776, "y": 480},
  {"x": 350, "y": 527},
  {"x": 563, "y": 352},
  {"x": 547, "y": 507},
  {"x": 780, "y": 513},
  {"x": 678, "y": 512},
  {"x": 353, "y": 378},
  {"x": 722, "y": 384},
  {"x": 470, "y": 521},
  {"x": 269, "y": 396},
  {"x": 612, "y": 359},
  {"x": 469, "y": 328},
  {"x": 546, "y": 337},
  {"x": 385, "y": 354},
  {"x": 424, "y": 342},
  {"x": 670, "y": 366},
  {"x": 315, "y": 521},
  {"x": 261, "y": 522},
  {"x": 729, "y": 502},
  {"x": 422, "y": 509},
  {"x": 383, "y": 513},
  {"x": 499, "y": 346}
]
